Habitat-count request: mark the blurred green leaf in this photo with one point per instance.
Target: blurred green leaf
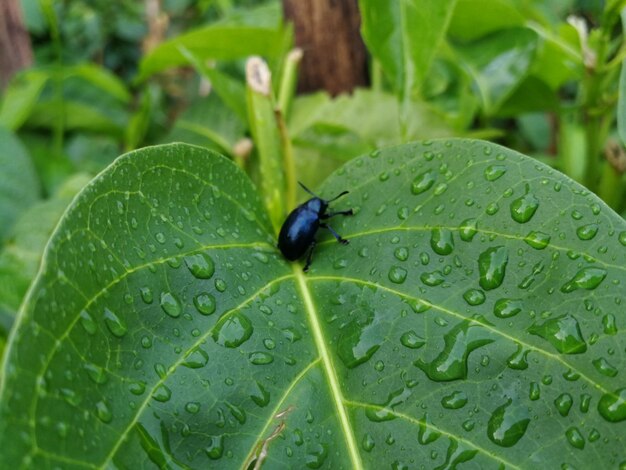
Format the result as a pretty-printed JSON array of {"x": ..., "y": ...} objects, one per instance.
[
  {"x": 20, "y": 97},
  {"x": 404, "y": 36},
  {"x": 531, "y": 95},
  {"x": 213, "y": 42},
  {"x": 473, "y": 19},
  {"x": 559, "y": 58},
  {"x": 90, "y": 153},
  {"x": 537, "y": 129},
  {"x": 21, "y": 254},
  {"x": 231, "y": 91},
  {"x": 33, "y": 16},
  {"x": 97, "y": 76},
  {"x": 498, "y": 63},
  {"x": 371, "y": 115},
  {"x": 333, "y": 140},
  {"x": 91, "y": 99},
  {"x": 621, "y": 103},
  {"x": 19, "y": 187},
  {"x": 572, "y": 148},
  {"x": 77, "y": 116},
  {"x": 257, "y": 14},
  {"x": 210, "y": 123}
]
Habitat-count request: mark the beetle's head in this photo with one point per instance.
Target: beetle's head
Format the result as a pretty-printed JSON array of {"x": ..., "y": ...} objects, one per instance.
[{"x": 317, "y": 205}]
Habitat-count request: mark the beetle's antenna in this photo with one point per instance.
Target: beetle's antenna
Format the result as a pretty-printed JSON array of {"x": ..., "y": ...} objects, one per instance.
[
  {"x": 307, "y": 190},
  {"x": 338, "y": 196}
]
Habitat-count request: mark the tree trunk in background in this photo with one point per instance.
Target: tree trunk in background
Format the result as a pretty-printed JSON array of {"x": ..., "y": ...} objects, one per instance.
[
  {"x": 15, "y": 48},
  {"x": 327, "y": 31}
]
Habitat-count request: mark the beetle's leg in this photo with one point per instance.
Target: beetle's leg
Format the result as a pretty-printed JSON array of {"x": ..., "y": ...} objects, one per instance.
[
  {"x": 309, "y": 257},
  {"x": 333, "y": 214},
  {"x": 335, "y": 234}
]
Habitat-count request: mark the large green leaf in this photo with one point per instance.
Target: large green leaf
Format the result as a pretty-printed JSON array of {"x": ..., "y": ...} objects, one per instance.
[{"x": 476, "y": 317}]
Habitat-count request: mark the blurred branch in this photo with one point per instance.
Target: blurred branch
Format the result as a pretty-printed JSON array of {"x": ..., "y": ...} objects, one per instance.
[{"x": 15, "y": 49}]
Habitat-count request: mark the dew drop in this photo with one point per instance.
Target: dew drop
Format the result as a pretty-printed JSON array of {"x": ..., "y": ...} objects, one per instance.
[
  {"x": 468, "y": 229},
  {"x": 412, "y": 340},
  {"x": 575, "y": 438},
  {"x": 162, "y": 393},
  {"x": 401, "y": 253},
  {"x": 493, "y": 172},
  {"x": 564, "y": 403},
  {"x": 507, "y": 424},
  {"x": 608, "y": 323},
  {"x": 519, "y": 359},
  {"x": 622, "y": 238},
  {"x": 146, "y": 295},
  {"x": 170, "y": 304},
  {"x": 454, "y": 401},
  {"x": 232, "y": 332},
  {"x": 459, "y": 342},
  {"x": 441, "y": 241},
  {"x": 524, "y": 207},
  {"x": 316, "y": 458},
  {"x": 237, "y": 412},
  {"x": 70, "y": 396},
  {"x": 367, "y": 443},
  {"x": 535, "y": 391},
  {"x": 420, "y": 306},
  {"x": 200, "y": 265},
  {"x": 537, "y": 240},
  {"x": 260, "y": 358},
  {"x": 103, "y": 412},
  {"x": 196, "y": 358},
  {"x": 96, "y": 373},
  {"x": 561, "y": 332},
  {"x": 474, "y": 297},
  {"x": 492, "y": 266},
  {"x": 587, "y": 232},
  {"x": 507, "y": 308},
  {"x": 605, "y": 367},
  {"x": 137, "y": 388},
  {"x": 586, "y": 278},
  {"x": 220, "y": 285},
  {"x": 433, "y": 278},
  {"x": 204, "y": 303},
  {"x": 423, "y": 182},
  {"x": 585, "y": 401},
  {"x": 397, "y": 275},
  {"x": 192, "y": 407},
  {"x": 426, "y": 432},
  {"x": 358, "y": 343},
  {"x": 612, "y": 406},
  {"x": 88, "y": 323},
  {"x": 114, "y": 323},
  {"x": 384, "y": 412},
  {"x": 260, "y": 396},
  {"x": 403, "y": 213},
  {"x": 215, "y": 449}
]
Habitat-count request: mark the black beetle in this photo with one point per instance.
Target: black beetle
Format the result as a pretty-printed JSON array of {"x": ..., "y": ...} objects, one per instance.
[{"x": 298, "y": 232}]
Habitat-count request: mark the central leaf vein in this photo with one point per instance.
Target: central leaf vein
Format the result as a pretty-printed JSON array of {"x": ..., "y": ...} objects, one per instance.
[{"x": 329, "y": 369}]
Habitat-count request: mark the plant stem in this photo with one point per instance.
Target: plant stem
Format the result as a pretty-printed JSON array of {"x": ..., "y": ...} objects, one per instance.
[
  {"x": 290, "y": 166},
  {"x": 59, "y": 124},
  {"x": 288, "y": 81},
  {"x": 267, "y": 139}
]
